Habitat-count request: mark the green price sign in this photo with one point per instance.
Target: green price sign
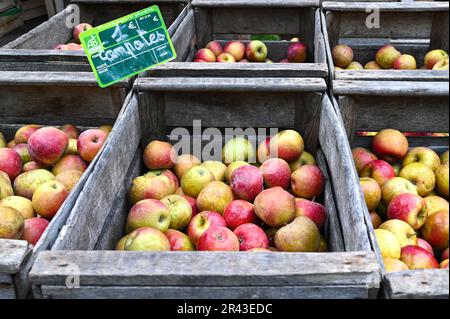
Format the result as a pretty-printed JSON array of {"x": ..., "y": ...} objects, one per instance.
[{"x": 128, "y": 46}]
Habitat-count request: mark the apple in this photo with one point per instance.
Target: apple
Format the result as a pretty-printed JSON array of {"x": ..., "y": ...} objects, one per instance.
[
  {"x": 239, "y": 212},
  {"x": 393, "y": 265},
  {"x": 386, "y": 56},
  {"x": 11, "y": 223},
  {"x": 71, "y": 131},
  {"x": 69, "y": 178},
  {"x": 205, "y": 55},
  {"x": 390, "y": 145},
  {"x": 179, "y": 241},
  {"x": 444, "y": 254},
  {"x": 6, "y": 188},
  {"x": 159, "y": 155},
  {"x": 236, "y": 49},
  {"x": 372, "y": 65},
  {"x": 215, "y": 47},
  {"x": 362, "y": 157},
  {"x": 410, "y": 208},
  {"x": 148, "y": 213},
  {"x": 301, "y": 235},
  {"x": 259, "y": 250},
  {"x": 21, "y": 204},
  {"x": 433, "y": 57},
  {"x": 444, "y": 264},
  {"x": 372, "y": 192},
  {"x": 2, "y": 140},
  {"x": 442, "y": 180},
  {"x": 247, "y": 182},
  {"x": 256, "y": 51},
  {"x": 297, "y": 52},
  {"x": 308, "y": 181},
  {"x": 405, "y": 62},
  {"x": 422, "y": 155},
  {"x": 26, "y": 183},
  {"x": 218, "y": 238},
  {"x": 442, "y": 65},
  {"x": 375, "y": 219},
  {"x": 217, "y": 169},
  {"x": 342, "y": 55},
  {"x": 232, "y": 167},
  {"x": 379, "y": 170},
  {"x": 397, "y": 168},
  {"x": 354, "y": 66},
  {"x": 33, "y": 229},
  {"x": 425, "y": 245},
  {"x": 48, "y": 198},
  {"x": 405, "y": 234},
  {"x": 263, "y": 151},
  {"x": 421, "y": 176},
  {"x": 444, "y": 158},
  {"x": 202, "y": 222},
  {"x": 287, "y": 145},
  {"x": 388, "y": 244},
  {"x": 22, "y": 150},
  {"x": 23, "y": 134},
  {"x": 396, "y": 186},
  {"x": 72, "y": 149},
  {"x": 238, "y": 149},
  {"x": 152, "y": 186},
  {"x": 90, "y": 142},
  {"x": 314, "y": 211},
  {"x": 80, "y": 29},
  {"x": 10, "y": 162},
  {"x": 106, "y": 128},
  {"x": 147, "y": 239},
  {"x": 275, "y": 206},
  {"x": 69, "y": 163},
  {"x": 180, "y": 211},
  {"x": 199, "y": 61},
  {"x": 251, "y": 236},
  {"x": 47, "y": 145},
  {"x": 195, "y": 179},
  {"x": 184, "y": 163},
  {"x": 121, "y": 243},
  {"x": 304, "y": 159},
  {"x": 435, "y": 203},
  {"x": 215, "y": 196},
  {"x": 416, "y": 257},
  {"x": 226, "y": 58},
  {"x": 193, "y": 202},
  {"x": 323, "y": 247},
  {"x": 276, "y": 172},
  {"x": 435, "y": 230}
]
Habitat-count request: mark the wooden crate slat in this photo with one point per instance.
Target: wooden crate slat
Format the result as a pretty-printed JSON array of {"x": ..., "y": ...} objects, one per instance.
[
  {"x": 6, "y": 287},
  {"x": 386, "y": 6},
  {"x": 255, "y": 3},
  {"x": 383, "y": 75},
  {"x": 12, "y": 255}
]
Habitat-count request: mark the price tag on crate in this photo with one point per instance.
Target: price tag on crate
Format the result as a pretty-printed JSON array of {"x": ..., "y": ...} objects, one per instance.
[{"x": 128, "y": 46}]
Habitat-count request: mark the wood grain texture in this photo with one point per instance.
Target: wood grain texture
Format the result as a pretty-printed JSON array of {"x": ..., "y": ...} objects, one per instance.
[
  {"x": 6, "y": 287},
  {"x": 256, "y": 3},
  {"x": 12, "y": 255},
  {"x": 390, "y": 75},
  {"x": 386, "y": 6}
]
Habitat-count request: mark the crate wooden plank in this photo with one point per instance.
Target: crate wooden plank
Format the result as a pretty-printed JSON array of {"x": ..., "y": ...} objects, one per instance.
[
  {"x": 398, "y": 75},
  {"x": 386, "y": 6},
  {"x": 6, "y": 287},
  {"x": 255, "y": 3},
  {"x": 182, "y": 39},
  {"x": 12, "y": 255}
]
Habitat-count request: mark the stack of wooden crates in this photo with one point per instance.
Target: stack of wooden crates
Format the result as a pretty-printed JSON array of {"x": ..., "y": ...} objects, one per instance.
[{"x": 10, "y": 16}]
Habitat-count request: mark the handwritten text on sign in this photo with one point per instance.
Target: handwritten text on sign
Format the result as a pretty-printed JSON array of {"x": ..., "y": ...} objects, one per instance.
[{"x": 128, "y": 46}]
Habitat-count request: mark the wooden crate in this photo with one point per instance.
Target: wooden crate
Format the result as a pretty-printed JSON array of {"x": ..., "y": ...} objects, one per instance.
[
  {"x": 10, "y": 17},
  {"x": 225, "y": 20},
  {"x": 412, "y": 27},
  {"x": 33, "y": 9},
  {"x": 349, "y": 271},
  {"x": 36, "y": 47},
  {"x": 409, "y": 107},
  {"x": 49, "y": 98}
]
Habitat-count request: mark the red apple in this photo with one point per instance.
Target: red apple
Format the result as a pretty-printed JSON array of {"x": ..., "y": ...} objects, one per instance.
[
  {"x": 202, "y": 222},
  {"x": 435, "y": 230},
  {"x": 69, "y": 163},
  {"x": 47, "y": 145},
  {"x": 276, "y": 172},
  {"x": 80, "y": 29},
  {"x": 148, "y": 213},
  {"x": 33, "y": 229},
  {"x": 410, "y": 208},
  {"x": 297, "y": 53},
  {"x": 256, "y": 51},
  {"x": 425, "y": 245},
  {"x": 444, "y": 254},
  {"x": 218, "y": 239},
  {"x": 239, "y": 212},
  {"x": 90, "y": 142},
  {"x": 193, "y": 202},
  {"x": 287, "y": 145},
  {"x": 433, "y": 57},
  {"x": 416, "y": 257},
  {"x": 275, "y": 206},
  {"x": 251, "y": 236},
  {"x": 247, "y": 182},
  {"x": 48, "y": 198},
  {"x": 236, "y": 49},
  {"x": 215, "y": 47},
  {"x": 30, "y": 166},
  {"x": 362, "y": 157},
  {"x": 10, "y": 162},
  {"x": 379, "y": 170},
  {"x": 444, "y": 264},
  {"x": 71, "y": 131},
  {"x": 205, "y": 55},
  {"x": 390, "y": 145},
  {"x": 159, "y": 155},
  {"x": 308, "y": 181},
  {"x": 226, "y": 58},
  {"x": 22, "y": 150},
  {"x": 315, "y": 211},
  {"x": 179, "y": 241},
  {"x": 23, "y": 134}
]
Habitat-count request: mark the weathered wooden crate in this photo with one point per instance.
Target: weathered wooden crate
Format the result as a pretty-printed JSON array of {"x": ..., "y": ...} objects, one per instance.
[
  {"x": 83, "y": 252},
  {"x": 49, "y": 98},
  {"x": 412, "y": 27},
  {"x": 225, "y": 20},
  {"x": 371, "y": 106},
  {"x": 37, "y": 46}
]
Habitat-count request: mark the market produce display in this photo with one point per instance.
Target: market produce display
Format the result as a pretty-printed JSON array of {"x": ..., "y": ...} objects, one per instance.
[
  {"x": 229, "y": 205},
  {"x": 75, "y": 45},
  {"x": 406, "y": 191},
  {"x": 38, "y": 169},
  {"x": 388, "y": 57}
]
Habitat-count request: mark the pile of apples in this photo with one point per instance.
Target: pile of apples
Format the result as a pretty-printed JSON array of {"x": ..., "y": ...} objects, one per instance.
[
  {"x": 388, "y": 57},
  {"x": 38, "y": 169},
  {"x": 76, "y": 37},
  {"x": 255, "y": 51},
  {"x": 182, "y": 204},
  {"x": 406, "y": 192}
]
